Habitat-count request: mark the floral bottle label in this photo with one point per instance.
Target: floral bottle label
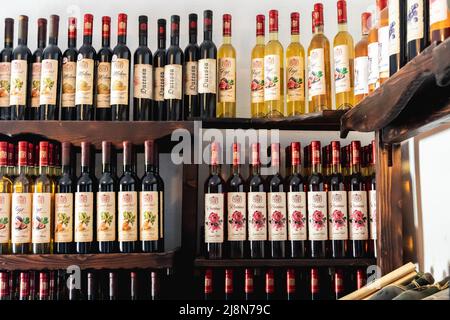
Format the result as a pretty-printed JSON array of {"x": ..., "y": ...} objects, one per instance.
[
  {"x": 36, "y": 84},
  {"x": 106, "y": 216},
  {"x": 415, "y": 20},
  {"x": 64, "y": 217},
  {"x": 5, "y": 83},
  {"x": 159, "y": 84},
  {"x": 19, "y": 73},
  {"x": 5, "y": 217},
  {"x": 85, "y": 81},
  {"x": 148, "y": 220},
  {"x": 438, "y": 11},
  {"x": 358, "y": 215},
  {"x": 337, "y": 212},
  {"x": 297, "y": 216},
  {"x": 49, "y": 79},
  {"x": 143, "y": 81},
  {"x": 394, "y": 27},
  {"x": 373, "y": 214},
  {"x": 21, "y": 216},
  {"x": 42, "y": 216},
  {"x": 173, "y": 75},
  {"x": 84, "y": 216},
  {"x": 373, "y": 55},
  {"x": 69, "y": 79},
  {"x": 191, "y": 78},
  {"x": 257, "y": 86},
  {"x": 383, "y": 52},
  {"x": 295, "y": 79},
  {"x": 207, "y": 81},
  {"x": 257, "y": 216},
  {"x": 214, "y": 209},
  {"x": 227, "y": 80},
  {"x": 361, "y": 75},
  {"x": 272, "y": 77},
  {"x": 104, "y": 85},
  {"x": 119, "y": 80},
  {"x": 237, "y": 221},
  {"x": 317, "y": 215},
  {"x": 277, "y": 216},
  {"x": 128, "y": 222},
  {"x": 341, "y": 69},
  {"x": 316, "y": 78}
]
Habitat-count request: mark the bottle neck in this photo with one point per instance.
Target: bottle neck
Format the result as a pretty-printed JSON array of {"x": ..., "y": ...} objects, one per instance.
[
  {"x": 53, "y": 41},
  {"x": 193, "y": 38},
  {"x": 128, "y": 168},
  {"x": 122, "y": 39},
  {"x": 295, "y": 38},
  {"x": 273, "y": 36},
  {"x": 72, "y": 42},
  {"x": 215, "y": 169},
  {"x": 87, "y": 40},
  {"x": 3, "y": 170},
  {"x": 85, "y": 169},
  {"x": 226, "y": 39},
  {"x": 256, "y": 169},
  {"x": 106, "y": 168},
  {"x": 161, "y": 43},
  {"x": 316, "y": 168},
  {"x": 41, "y": 43},
  {"x": 106, "y": 41},
  {"x": 21, "y": 169},
  {"x": 318, "y": 29},
  {"x": 296, "y": 169},
  {"x": 22, "y": 41},
  {"x": 207, "y": 35},
  {"x": 150, "y": 168},
  {"x": 175, "y": 40},
  {"x": 66, "y": 169},
  {"x": 143, "y": 40},
  {"x": 356, "y": 168},
  {"x": 235, "y": 169},
  {"x": 342, "y": 27},
  {"x": 44, "y": 170},
  {"x": 260, "y": 40},
  {"x": 335, "y": 168}
]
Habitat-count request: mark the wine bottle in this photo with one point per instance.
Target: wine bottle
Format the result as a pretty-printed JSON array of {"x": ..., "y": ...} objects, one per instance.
[
  {"x": 317, "y": 206},
  {"x": 155, "y": 287},
  {"x": 361, "y": 278},
  {"x": 207, "y": 64},
  {"x": 383, "y": 40},
  {"x": 143, "y": 75},
  {"x": 315, "y": 285},
  {"x": 257, "y": 70},
  {"x": 296, "y": 204},
  {"x": 208, "y": 285},
  {"x": 43, "y": 286},
  {"x": 69, "y": 73},
  {"x": 24, "y": 286},
  {"x": 191, "y": 56},
  {"x": 373, "y": 50},
  {"x": 133, "y": 286},
  {"x": 248, "y": 285},
  {"x": 51, "y": 74},
  {"x": 120, "y": 73},
  {"x": 4, "y": 286},
  {"x": 5, "y": 70},
  {"x": 357, "y": 198},
  {"x": 291, "y": 293},
  {"x": 64, "y": 204},
  {"x": 338, "y": 284},
  {"x": 226, "y": 107},
  {"x": 362, "y": 61},
  {"x": 85, "y": 76},
  {"x": 11, "y": 171},
  {"x": 229, "y": 288},
  {"x": 103, "y": 65},
  {"x": 372, "y": 193},
  {"x": 21, "y": 204},
  {"x": 85, "y": 204},
  {"x": 35, "y": 88},
  {"x": 337, "y": 205},
  {"x": 439, "y": 20},
  {"x": 106, "y": 204},
  {"x": 276, "y": 206},
  {"x": 270, "y": 284},
  {"x": 397, "y": 35},
  {"x": 417, "y": 27},
  {"x": 90, "y": 287},
  {"x": 151, "y": 203},
  {"x": 43, "y": 198},
  {"x": 173, "y": 73},
  {"x": 214, "y": 207},
  {"x": 128, "y": 203},
  {"x": 288, "y": 161},
  {"x": 159, "y": 61},
  {"x": 5, "y": 200},
  {"x": 113, "y": 293},
  {"x": 20, "y": 74},
  {"x": 257, "y": 207}
]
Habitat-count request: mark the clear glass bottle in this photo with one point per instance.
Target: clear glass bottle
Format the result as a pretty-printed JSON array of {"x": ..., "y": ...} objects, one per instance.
[
  {"x": 362, "y": 61},
  {"x": 257, "y": 70}
]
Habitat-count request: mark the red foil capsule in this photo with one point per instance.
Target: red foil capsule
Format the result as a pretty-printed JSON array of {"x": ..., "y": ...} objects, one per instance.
[
  {"x": 318, "y": 14},
  {"x": 295, "y": 23},
  {"x": 290, "y": 283},
  {"x": 215, "y": 153},
  {"x": 227, "y": 25},
  {"x": 335, "y": 152},
  {"x": 365, "y": 22},
  {"x": 22, "y": 154},
  {"x": 228, "y": 281},
  {"x": 122, "y": 24},
  {"x": 314, "y": 280},
  {"x": 248, "y": 281},
  {"x": 339, "y": 281},
  {"x": 43, "y": 153},
  {"x": 72, "y": 28},
  {"x": 208, "y": 281},
  {"x": 342, "y": 11},
  {"x": 3, "y": 153},
  {"x": 275, "y": 153},
  {"x": 88, "y": 21},
  {"x": 315, "y": 152},
  {"x": 295, "y": 153},
  {"x": 270, "y": 282},
  {"x": 374, "y": 153},
  {"x": 106, "y": 27},
  {"x": 273, "y": 21},
  {"x": 260, "y": 25},
  {"x": 236, "y": 154},
  {"x": 356, "y": 150}
]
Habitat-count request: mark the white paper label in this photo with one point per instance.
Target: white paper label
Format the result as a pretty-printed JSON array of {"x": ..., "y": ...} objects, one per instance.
[
  {"x": 143, "y": 81},
  {"x": 128, "y": 218},
  {"x": 361, "y": 75},
  {"x": 373, "y": 214},
  {"x": 358, "y": 215},
  {"x": 85, "y": 81},
  {"x": 338, "y": 218},
  {"x": 119, "y": 80},
  {"x": 173, "y": 75},
  {"x": 373, "y": 53},
  {"x": 272, "y": 77},
  {"x": 277, "y": 216},
  {"x": 317, "y": 215},
  {"x": 394, "y": 27},
  {"x": 295, "y": 79},
  {"x": 415, "y": 21},
  {"x": 227, "y": 80},
  {"x": 237, "y": 211},
  {"x": 383, "y": 52},
  {"x": 42, "y": 217},
  {"x": 49, "y": 80},
  {"x": 149, "y": 224},
  {"x": 214, "y": 217},
  {"x": 106, "y": 216},
  {"x": 21, "y": 217},
  {"x": 438, "y": 11},
  {"x": 5, "y": 83},
  {"x": 316, "y": 78},
  {"x": 19, "y": 73},
  {"x": 35, "y": 84},
  {"x": 5, "y": 217},
  {"x": 257, "y": 216},
  {"x": 84, "y": 216},
  {"x": 104, "y": 85},
  {"x": 69, "y": 80},
  {"x": 257, "y": 85},
  {"x": 207, "y": 76},
  {"x": 191, "y": 78},
  {"x": 341, "y": 69},
  {"x": 159, "y": 84},
  {"x": 297, "y": 216},
  {"x": 64, "y": 217}
]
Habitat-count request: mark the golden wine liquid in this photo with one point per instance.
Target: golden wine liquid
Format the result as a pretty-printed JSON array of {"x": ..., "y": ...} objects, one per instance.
[
  {"x": 295, "y": 78},
  {"x": 361, "y": 51},
  {"x": 274, "y": 77},
  {"x": 257, "y": 77},
  {"x": 226, "y": 59},
  {"x": 439, "y": 31}
]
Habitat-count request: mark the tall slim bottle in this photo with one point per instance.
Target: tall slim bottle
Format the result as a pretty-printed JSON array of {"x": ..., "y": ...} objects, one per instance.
[
  {"x": 373, "y": 50},
  {"x": 103, "y": 66},
  {"x": 417, "y": 27},
  {"x": 159, "y": 61},
  {"x": 35, "y": 88},
  {"x": 5, "y": 70},
  {"x": 372, "y": 194},
  {"x": 397, "y": 35},
  {"x": 383, "y": 40},
  {"x": 257, "y": 70},
  {"x": 69, "y": 73},
  {"x": 5, "y": 200},
  {"x": 191, "y": 56},
  {"x": 439, "y": 20},
  {"x": 362, "y": 61}
]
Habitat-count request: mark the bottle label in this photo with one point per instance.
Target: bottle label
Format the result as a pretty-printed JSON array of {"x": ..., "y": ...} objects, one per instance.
[
  {"x": 85, "y": 81},
  {"x": 161, "y": 209},
  {"x": 149, "y": 223},
  {"x": 394, "y": 27},
  {"x": 277, "y": 216},
  {"x": 69, "y": 79},
  {"x": 119, "y": 80},
  {"x": 106, "y": 216},
  {"x": 19, "y": 73},
  {"x": 316, "y": 78},
  {"x": 438, "y": 11},
  {"x": 297, "y": 216},
  {"x": 415, "y": 20},
  {"x": 214, "y": 209},
  {"x": 295, "y": 79},
  {"x": 5, "y": 217},
  {"x": 373, "y": 214},
  {"x": 374, "y": 57},
  {"x": 257, "y": 216},
  {"x": 317, "y": 215},
  {"x": 84, "y": 216},
  {"x": 173, "y": 75},
  {"x": 49, "y": 80},
  {"x": 272, "y": 77},
  {"x": 358, "y": 215},
  {"x": 159, "y": 84},
  {"x": 337, "y": 208},
  {"x": 64, "y": 217},
  {"x": 5, "y": 83},
  {"x": 341, "y": 69},
  {"x": 309, "y": 82},
  {"x": 361, "y": 75},
  {"x": 35, "y": 84},
  {"x": 143, "y": 81},
  {"x": 237, "y": 221},
  {"x": 191, "y": 78},
  {"x": 227, "y": 80},
  {"x": 257, "y": 86},
  {"x": 383, "y": 52},
  {"x": 128, "y": 230},
  {"x": 42, "y": 216},
  {"x": 21, "y": 213},
  {"x": 104, "y": 85},
  {"x": 207, "y": 78}
]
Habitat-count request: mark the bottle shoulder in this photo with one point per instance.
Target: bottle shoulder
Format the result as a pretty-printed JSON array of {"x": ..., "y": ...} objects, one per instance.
[
  {"x": 71, "y": 54},
  {"x": 319, "y": 41},
  {"x": 51, "y": 50},
  {"x": 227, "y": 50}
]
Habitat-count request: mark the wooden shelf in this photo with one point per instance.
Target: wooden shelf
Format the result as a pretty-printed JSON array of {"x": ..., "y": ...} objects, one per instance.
[{"x": 87, "y": 261}]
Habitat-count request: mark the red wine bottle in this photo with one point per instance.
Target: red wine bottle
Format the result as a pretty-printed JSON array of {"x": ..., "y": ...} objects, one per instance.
[
  {"x": 360, "y": 278},
  {"x": 270, "y": 285},
  {"x": 229, "y": 288},
  {"x": 143, "y": 75},
  {"x": 276, "y": 207},
  {"x": 248, "y": 285},
  {"x": 69, "y": 73},
  {"x": 372, "y": 194},
  {"x": 159, "y": 61},
  {"x": 417, "y": 27},
  {"x": 338, "y": 284},
  {"x": 43, "y": 286},
  {"x": 4, "y": 286},
  {"x": 237, "y": 208},
  {"x": 103, "y": 65},
  {"x": 191, "y": 56},
  {"x": 317, "y": 206},
  {"x": 214, "y": 207},
  {"x": 337, "y": 205},
  {"x": 36, "y": 67},
  {"x": 133, "y": 285},
  {"x": 315, "y": 285},
  {"x": 155, "y": 288},
  {"x": 113, "y": 293},
  {"x": 397, "y": 35},
  {"x": 291, "y": 285},
  {"x": 24, "y": 289},
  {"x": 5, "y": 70},
  {"x": 120, "y": 73},
  {"x": 208, "y": 285}
]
